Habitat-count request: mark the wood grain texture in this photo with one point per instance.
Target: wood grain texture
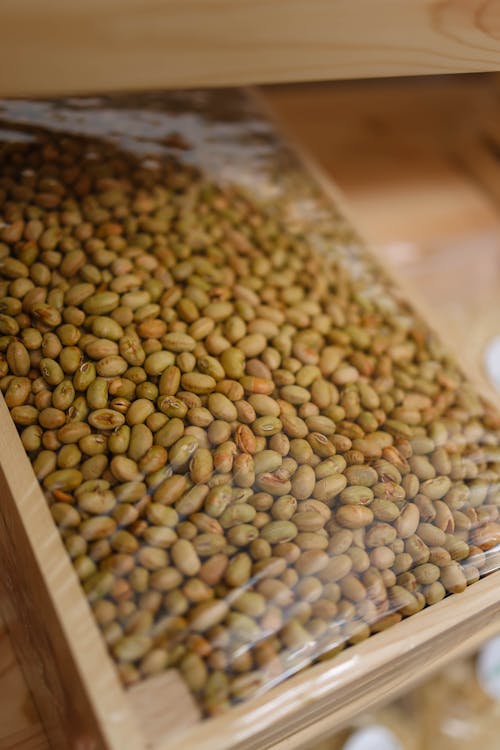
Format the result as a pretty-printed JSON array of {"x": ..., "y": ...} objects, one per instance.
[
  {"x": 51, "y": 626},
  {"x": 163, "y": 706},
  {"x": 98, "y": 45},
  {"x": 20, "y": 724}
]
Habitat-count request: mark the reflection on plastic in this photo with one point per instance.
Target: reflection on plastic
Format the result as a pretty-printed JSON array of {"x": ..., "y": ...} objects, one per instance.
[
  {"x": 255, "y": 452},
  {"x": 488, "y": 668},
  {"x": 492, "y": 361}
]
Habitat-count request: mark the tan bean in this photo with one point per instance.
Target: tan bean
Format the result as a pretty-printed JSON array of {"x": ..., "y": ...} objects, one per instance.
[{"x": 354, "y": 516}]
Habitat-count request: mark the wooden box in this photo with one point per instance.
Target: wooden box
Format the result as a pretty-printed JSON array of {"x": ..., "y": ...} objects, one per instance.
[{"x": 75, "y": 685}]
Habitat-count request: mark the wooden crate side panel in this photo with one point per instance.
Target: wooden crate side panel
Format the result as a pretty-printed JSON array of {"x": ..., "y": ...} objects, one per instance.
[
  {"x": 20, "y": 724},
  {"x": 55, "y": 637},
  {"x": 164, "y": 707}
]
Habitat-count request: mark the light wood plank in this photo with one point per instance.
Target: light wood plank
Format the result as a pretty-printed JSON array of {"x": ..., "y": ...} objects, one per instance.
[
  {"x": 98, "y": 45},
  {"x": 50, "y": 623},
  {"x": 163, "y": 705}
]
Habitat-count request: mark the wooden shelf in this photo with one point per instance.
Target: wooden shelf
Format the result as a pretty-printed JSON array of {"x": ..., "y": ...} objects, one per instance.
[
  {"x": 102, "y": 45},
  {"x": 393, "y": 193}
]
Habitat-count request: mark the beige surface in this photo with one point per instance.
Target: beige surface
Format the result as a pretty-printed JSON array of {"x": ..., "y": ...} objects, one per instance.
[
  {"x": 388, "y": 146},
  {"x": 99, "y": 45}
]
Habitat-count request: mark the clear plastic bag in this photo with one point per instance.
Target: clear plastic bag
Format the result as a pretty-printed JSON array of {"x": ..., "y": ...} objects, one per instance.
[{"x": 256, "y": 452}]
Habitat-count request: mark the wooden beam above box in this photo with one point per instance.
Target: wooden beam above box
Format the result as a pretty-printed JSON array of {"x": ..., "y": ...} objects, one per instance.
[{"x": 59, "y": 47}]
